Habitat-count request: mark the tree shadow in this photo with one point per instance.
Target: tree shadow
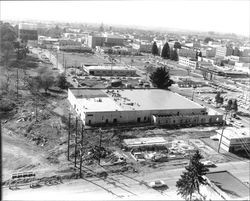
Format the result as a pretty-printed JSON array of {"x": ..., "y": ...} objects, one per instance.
[{"x": 219, "y": 185}]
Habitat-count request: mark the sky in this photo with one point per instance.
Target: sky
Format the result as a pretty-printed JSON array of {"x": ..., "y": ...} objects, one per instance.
[{"x": 219, "y": 16}]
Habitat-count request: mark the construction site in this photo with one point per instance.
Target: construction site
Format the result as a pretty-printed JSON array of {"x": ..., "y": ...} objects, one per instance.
[{"x": 46, "y": 144}]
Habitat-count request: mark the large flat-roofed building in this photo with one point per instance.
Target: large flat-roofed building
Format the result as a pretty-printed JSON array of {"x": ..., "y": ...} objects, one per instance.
[
  {"x": 27, "y": 31},
  {"x": 189, "y": 62},
  {"x": 97, "y": 40},
  {"x": 105, "y": 40},
  {"x": 109, "y": 70},
  {"x": 234, "y": 139},
  {"x": 156, "y": 106},
  {"x": 223, "y": 51}
]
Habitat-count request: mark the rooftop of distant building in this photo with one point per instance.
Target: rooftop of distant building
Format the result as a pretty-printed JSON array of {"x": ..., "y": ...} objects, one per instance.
[
  {"x": 117, "y": 68},
  {"x": 234, "y": 133}
]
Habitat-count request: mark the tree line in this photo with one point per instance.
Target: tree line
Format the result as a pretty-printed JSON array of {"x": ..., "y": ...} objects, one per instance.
[{"x": 167, "y": 52}]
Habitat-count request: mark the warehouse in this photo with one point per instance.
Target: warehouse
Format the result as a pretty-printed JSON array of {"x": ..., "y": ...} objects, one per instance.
[
  {"x": 234, "y": 139},
  {"x": 156, "y": 106},
  {"x": 109, "y": 70}
]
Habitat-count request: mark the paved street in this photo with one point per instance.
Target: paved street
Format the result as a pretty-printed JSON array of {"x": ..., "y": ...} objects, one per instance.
[{"x": 133, "y": 186}]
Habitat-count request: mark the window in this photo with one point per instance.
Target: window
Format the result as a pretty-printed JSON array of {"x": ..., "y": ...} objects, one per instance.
[
  {"x": 114, "y": 121},
  {"x": 138, "y": 119},
  {"x": 107, "y": 121},
  {"x": 145, "y": 118}
]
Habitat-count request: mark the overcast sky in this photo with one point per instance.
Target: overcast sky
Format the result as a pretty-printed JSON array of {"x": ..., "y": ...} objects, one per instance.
[{"x": 218, "y": 16}]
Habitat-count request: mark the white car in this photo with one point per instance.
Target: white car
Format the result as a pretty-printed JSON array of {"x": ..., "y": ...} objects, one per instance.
[
  {"x": 208, "y": 164},
  {"x": 157, "y": 184}
]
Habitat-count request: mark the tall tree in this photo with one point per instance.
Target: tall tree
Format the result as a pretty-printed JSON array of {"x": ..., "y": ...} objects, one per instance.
[
  {"x": 191, "y": 180},
  {"x": 234, "y": 105},
  {"x": 207, "y": 39},
  {"x": 46, "y": 81},
  {"x": 229, "y": 104},
  {"x": 174, "y": 55},
  {"x": 7, "y": 51},
  {"x": 217, "y": 97},
  {"x": 165, "y": 51},
  {"x": 149, "y": 69},
  {"x": 161, "y": 78},
  {"x": 154, "y": 49},
  {"x": 177, "y": 45},
  {"x": 61, "y": 81}
]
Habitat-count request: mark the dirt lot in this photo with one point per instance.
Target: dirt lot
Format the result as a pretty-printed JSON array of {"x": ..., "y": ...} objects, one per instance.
[
  {"x": 76, "y": 59},
  {"x": 35, "y": 137}
]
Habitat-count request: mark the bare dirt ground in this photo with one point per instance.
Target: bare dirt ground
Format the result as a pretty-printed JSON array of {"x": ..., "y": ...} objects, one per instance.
[{"x": 37, "y": 141}]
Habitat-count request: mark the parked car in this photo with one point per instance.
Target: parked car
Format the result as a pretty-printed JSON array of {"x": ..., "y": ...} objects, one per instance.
[
  {"x": 157, "y": 184},
  {"x": 208, "y": 164}
]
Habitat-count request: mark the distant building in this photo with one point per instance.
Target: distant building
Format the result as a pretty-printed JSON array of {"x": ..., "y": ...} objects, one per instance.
[
  {"x": 97, "y": 40},
  {"x": 244, "y": 59},
  {"x": 105, "y": 40},
  {"x": 47, "y": 42},
  {"x": 65, "y": 42},
  {"x": 113, "y": 40},
  {"x": 27, "y": 32},
  {"x": 109, "y": 70},
  {"x": 243, "y": 67},
  {"x": 234, "y": 139},
  {"x": 208, "y": 52},
  {"x": 187, "y": 52},
  {"x": 245, "y": 51},
  {"x": 145, "y": 47},
  {"x": 142, "y": 46},
  {"x": 187, "y": 61},
  {"x": 223, "y": 51}
]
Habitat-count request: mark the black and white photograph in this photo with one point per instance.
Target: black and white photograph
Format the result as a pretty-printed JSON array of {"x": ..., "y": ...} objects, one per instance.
[{"x": 125, "y": 100}]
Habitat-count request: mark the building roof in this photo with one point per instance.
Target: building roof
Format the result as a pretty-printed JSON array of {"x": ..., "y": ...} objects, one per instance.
[
  {"x": 235, "y": 133},
  {"x": 27, "y": 26},
  {"x": 117, "y": 68},
  {"x": 228, "y": 183},
  {"x": 132, "y": 99},
  {"x": 145, "y": 141}
]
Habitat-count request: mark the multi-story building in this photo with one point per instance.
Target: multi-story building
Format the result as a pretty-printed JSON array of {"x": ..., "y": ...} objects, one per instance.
[
  {"x": 107, "y": 40},
  {"x": 155, "y": 106},
  {"x": 109, "y": 70},
  {"x": 113, "y": 40},
  {"x": 145, "y": 47},
  {"x": 234, "y": 139},
  {"x": 208, "y": 52},
  {"x": 187, "y": 52},
  {"x": 97, "y": 40},
  {"x": 47, "y": 42},
  {"x": 27, "y": 32},
  {"x": 187, "y": 61},
  {"x": 243, "y": 67},
  {"x": 223, "y": 51}
]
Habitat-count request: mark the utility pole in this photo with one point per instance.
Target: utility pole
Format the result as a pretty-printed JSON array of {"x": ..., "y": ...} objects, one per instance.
[
  {"x": 100, "y": 145},
  {"x": 81, "y": 152},
  {"x": 63, "y": 61},
  {"x": 65, "y": 66},
  {"x": 76, "y": 140},
  {"x": 57, "y": 59},
  {"x": 223, "y": 128},
  {"x": 1, "y": 153},
  {"x": 193, "y": 93},
  {"x": 17, "y": 84},
  {"x": 69, "y": 136},
  {"x": 36, "y": 106}
]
